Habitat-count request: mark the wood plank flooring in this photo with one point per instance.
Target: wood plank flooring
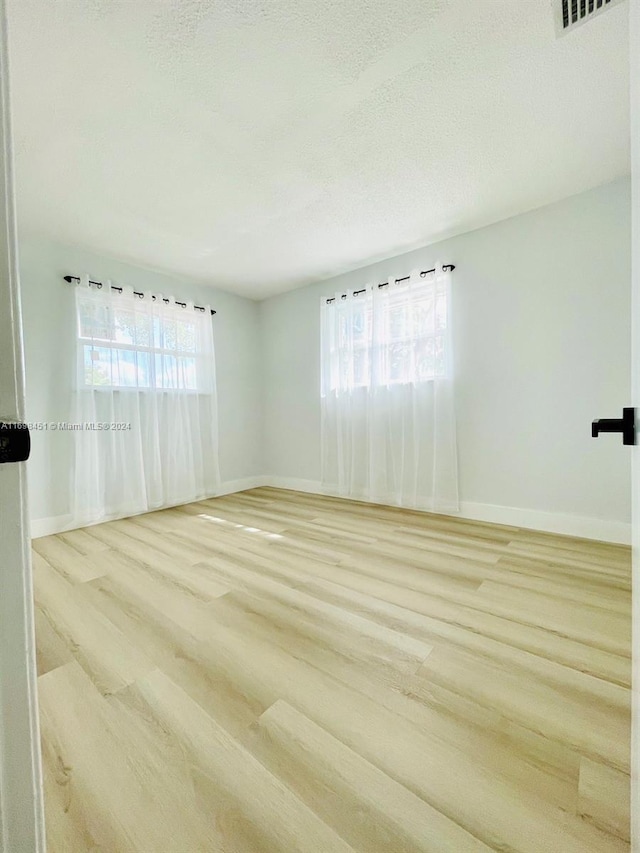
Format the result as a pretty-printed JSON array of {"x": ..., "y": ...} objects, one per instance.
[{"x": 271, "y": 672}]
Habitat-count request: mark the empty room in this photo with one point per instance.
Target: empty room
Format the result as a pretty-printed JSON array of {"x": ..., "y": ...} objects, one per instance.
[{"x": 317, "y": 426}]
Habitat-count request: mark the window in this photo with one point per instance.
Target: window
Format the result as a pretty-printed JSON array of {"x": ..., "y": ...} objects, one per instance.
[
  {"x": 126, "y": 342},
  {"x": 145, "y": 405},
  {"x": 386, "y": 336}
]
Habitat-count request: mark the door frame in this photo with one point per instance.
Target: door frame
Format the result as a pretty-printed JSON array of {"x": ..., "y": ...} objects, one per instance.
[
  {"x": 21, "y": 797},
  {"x": 634, "y": 69}
]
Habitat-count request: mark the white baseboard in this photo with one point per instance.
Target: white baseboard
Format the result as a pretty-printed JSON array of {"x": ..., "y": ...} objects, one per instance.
[
  {"x": 62, "y": 523},
  {"x": 600, "y": 529},
  {"x": 232, "y": 486},
  {"x": 293, "y": 484},
  {"x": 581, "y": 526},
  {"x": 48, "y": 526}
]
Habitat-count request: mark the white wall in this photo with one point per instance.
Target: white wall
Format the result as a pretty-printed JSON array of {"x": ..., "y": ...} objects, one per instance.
[
  {"x": 49, "y": 331},
  {"x": 542, "y": 332}
]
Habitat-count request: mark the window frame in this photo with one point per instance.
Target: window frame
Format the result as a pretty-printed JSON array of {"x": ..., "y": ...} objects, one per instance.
[
  {"x": 86, "y": 345},
  {"x": 378, "y": 368}
]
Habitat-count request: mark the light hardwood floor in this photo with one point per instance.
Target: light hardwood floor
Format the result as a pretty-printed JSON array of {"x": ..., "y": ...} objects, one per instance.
[{"x": 274, "y": 671}]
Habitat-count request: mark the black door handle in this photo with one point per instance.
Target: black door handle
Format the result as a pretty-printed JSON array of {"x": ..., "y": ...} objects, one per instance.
[
  {"x": 626, "y": 425},
  {"x": 15, "y": 442}
]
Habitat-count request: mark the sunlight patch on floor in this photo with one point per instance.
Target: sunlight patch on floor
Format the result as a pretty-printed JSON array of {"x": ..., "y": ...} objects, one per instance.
[{"x": 243, "y": 527}]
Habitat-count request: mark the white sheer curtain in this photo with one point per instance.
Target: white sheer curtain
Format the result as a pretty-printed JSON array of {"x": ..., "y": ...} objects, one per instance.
[
  {"x": 145, "y": 424},
  {"x": 388, "y": 419}
]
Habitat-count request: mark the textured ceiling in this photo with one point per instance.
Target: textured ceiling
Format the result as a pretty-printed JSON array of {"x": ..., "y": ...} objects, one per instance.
[{"x": 261, "y": 145}]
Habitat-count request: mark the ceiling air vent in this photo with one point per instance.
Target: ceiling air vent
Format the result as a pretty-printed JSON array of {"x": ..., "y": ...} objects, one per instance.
[{"x": 571, "y": 13}]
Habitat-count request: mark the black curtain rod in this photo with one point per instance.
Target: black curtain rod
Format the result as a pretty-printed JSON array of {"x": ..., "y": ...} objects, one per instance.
[
  {"x": 72, "y": 278},
  {"x": 446, "y": 267}
]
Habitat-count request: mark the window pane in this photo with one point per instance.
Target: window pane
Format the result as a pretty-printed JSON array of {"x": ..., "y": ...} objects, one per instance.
[
  {"x": 399, "y": 322},
  {"x": 168, "y": 330},
  {"x": 118, "y": 368},
  {"x": 95, "y": 321},
  {"x": 186, "y": 336},
  {"x": 125, "y": 368},
  {"x": 164, "y": 333},
  {"x": 423, "y": 316},
  {"x": 166, "y": 371},
  {"x": 440, "y": 363},
  {"x": 360, "y": 367},
  {"x": 425, "y": 359},
  {"x": 441, "y": 311},
  {"x": 125, "y": 327},
  {"x": 399, "y": 362},
  {"x": 143, "y": 330},
  {"x": 359, "y": 325},
  {"x": 130, "y": 368},
  {"x": 188, "y": 374},
  {"x": 342, "y": 329},
  {"x": 176, "y": 372},
  {"x": 143, "y": 362},
  {"x": 97, "y": 365}
]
